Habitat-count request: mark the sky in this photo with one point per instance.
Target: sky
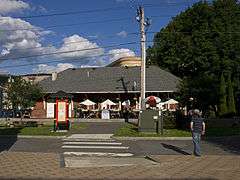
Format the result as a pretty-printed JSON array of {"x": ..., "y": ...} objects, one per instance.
[{"x": 45, "y": 36}]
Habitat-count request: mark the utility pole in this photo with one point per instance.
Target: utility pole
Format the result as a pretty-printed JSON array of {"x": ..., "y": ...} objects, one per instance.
[{"x": 143, "y": 56}]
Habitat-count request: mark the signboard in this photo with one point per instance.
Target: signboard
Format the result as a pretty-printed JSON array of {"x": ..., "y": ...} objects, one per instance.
[
  {"x": 105, "y": 114},
  {"x": 61, "y": 111},
  {"x": 70, "y": 110},
  {"x": 50, "y": 110}
]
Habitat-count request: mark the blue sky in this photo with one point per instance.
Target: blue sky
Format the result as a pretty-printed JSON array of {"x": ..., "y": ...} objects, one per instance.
[{"x": 112, "y": 23}]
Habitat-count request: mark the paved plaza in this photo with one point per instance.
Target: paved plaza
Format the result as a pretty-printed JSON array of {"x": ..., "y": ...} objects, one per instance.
[
  {"x": 23, "y": 165},
  {"x": 99, "y": 156}
]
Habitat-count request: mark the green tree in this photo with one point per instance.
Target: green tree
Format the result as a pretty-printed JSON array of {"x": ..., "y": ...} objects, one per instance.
[
  {"x": 23, "y": 94},
  {"x": 222, "y": 105},
  {"x": 230, "y": 97},
  {"x": 200, "y": 89},
  {"x": 198, "y": 45}
]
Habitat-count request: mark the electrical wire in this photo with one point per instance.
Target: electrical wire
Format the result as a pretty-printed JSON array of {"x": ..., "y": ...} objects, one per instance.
[
  {"x": 65, "y": 52},
  {"x": 114, "y": 36},
  {"x": 132, "y": 5},
  {"x": 71, "y": 13},
  {"x": 59, "y": 60},
  {"x": 69, "y": 25},
  {"x": 75, "y": 42},
  {"x": 167, "y": 4},
  {"x": 77, "y": 24}
]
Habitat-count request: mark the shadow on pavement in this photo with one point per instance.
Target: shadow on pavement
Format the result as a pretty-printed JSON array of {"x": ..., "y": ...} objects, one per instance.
[
  {"x": 175, "y": 148},
  {"x": 230, "y": 143},
  {"x": 8, "y": 137}
]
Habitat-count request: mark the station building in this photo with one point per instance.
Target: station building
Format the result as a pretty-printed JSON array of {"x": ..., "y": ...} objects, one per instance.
[{"x": 118, "y": 82}]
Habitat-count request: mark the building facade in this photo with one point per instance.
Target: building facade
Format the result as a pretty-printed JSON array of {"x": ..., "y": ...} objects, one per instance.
[{"x": 118, "y": 83}]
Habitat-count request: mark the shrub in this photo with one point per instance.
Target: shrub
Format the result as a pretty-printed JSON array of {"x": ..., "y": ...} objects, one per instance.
[{"x": 169, "y": 120}]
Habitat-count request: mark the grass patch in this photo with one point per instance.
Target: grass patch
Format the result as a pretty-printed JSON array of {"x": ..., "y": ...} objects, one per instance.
[
  {"x": 45, "y": 130},
  {"x": 130, "y": 130},
  {"x": 228, "y": 131}
]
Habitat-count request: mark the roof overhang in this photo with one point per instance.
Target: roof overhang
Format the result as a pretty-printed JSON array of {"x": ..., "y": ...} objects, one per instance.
[{"x": 114, "y": 92}]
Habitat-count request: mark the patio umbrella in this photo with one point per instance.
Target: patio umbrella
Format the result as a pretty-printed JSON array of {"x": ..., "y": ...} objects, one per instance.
[
  {"x": 171, "y": 101},
  {"x": 108, "y": 102},
  {"x": 153, "y": 98},
  {"x": 88, "y": 102},
  {"x": 126, "y": 103}
]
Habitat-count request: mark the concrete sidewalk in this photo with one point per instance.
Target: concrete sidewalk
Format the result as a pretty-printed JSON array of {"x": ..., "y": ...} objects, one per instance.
[{"x": 22, "y": 165}]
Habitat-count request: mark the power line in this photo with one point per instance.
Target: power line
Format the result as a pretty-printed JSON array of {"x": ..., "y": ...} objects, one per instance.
[
  {"x": 67, "y": 25},
  {"x": 71, "y": 13},
  {"x": 65, "y": 52},
  {"x": 77, "y": 24},
  {"x": 61, "y": 60},
  {"x": 113, "y": 36},
  {"x": 168, "y": 4},
  {"x": 75, "y": 42},
  {"x": 93, "y": 10}
]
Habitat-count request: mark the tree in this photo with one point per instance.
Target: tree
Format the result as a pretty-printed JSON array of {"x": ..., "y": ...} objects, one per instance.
[
  {"x": 23, "y": 94},
  {"x": 230, "y": 97},
  {"x": 200, "y": 89},
  {"x": 198, "y": 45},
  {"x": 222, "y": 106}
]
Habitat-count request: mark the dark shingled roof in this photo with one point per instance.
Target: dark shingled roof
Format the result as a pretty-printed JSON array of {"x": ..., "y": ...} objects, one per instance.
[{"x": 110, "y": 79}]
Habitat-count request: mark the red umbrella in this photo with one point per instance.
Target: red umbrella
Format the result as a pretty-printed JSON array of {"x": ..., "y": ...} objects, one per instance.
[{"x": 153, "y": 100}]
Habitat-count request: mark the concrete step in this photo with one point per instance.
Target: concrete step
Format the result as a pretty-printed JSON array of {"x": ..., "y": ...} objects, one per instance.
[
  {"x": 97, "y": 154},
  {"x": 78, "y": 162}
]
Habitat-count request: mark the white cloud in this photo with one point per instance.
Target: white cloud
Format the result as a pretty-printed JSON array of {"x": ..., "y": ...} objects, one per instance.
[
  {"x": 122, "y": 34},
  {"x": 116, "y": 54},
  {"x": 44, "y": 68},
  {"x": 5, "y": 52},
  {"x": 80, "y": 47},
  {"x": 7, "y": 6},
  {"x": 20, "y": 38},
  {"x": 25, "y": 40}
]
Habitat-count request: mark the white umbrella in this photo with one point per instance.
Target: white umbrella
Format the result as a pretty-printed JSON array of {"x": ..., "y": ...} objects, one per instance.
[
  {"x": 88, "y": 102},
  {"x": 126, "y": 103},
  {"x": 171, "y": 101},
  {"x": 108, "y": 102}
]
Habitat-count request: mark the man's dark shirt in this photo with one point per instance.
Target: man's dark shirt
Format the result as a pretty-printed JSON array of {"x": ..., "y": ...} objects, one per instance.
[{"x": 197, "y": 125}]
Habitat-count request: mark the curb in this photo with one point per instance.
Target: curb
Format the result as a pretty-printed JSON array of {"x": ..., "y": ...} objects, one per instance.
[
  {"x": 37, "y": 137},
  {"x": 42, "y": 137},
  {"x": 120, "y": 138},
  {"x": 113, "y": 137},
  {"x": 152, "y": 138}
]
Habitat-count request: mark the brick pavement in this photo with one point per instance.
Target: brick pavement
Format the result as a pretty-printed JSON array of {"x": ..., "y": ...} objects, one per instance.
[{"x": 25, "y": 165}]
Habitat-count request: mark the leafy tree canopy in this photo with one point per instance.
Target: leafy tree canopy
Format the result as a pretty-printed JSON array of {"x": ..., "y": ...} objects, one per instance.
[
  {"x": 23, "y": 94},
  {"x": 198, "y": 45},
  {"x": 204, "y": 38}
]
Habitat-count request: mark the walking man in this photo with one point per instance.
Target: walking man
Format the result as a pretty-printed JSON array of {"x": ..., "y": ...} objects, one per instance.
[{"x": 198, "y": 129}]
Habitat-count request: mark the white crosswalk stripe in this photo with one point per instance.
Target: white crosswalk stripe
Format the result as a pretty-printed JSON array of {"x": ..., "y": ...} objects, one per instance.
[
  {"x": 98, "y": 154},
  {"x": 95, "y": 147},
  {"x": 94, "y": 143},
  {"x": 90, "y": 144}
]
